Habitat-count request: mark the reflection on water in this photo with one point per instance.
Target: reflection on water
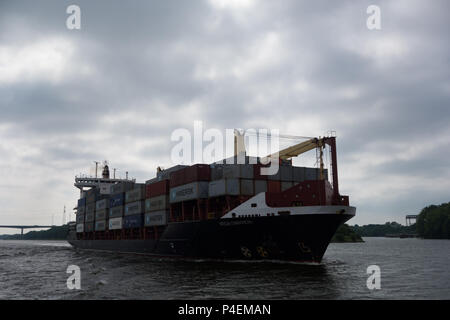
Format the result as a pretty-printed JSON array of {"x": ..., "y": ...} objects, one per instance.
[{"x": 410, "y": 268}]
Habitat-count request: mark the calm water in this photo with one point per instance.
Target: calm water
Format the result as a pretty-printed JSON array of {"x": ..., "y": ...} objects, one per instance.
[{"x": 410, "y": 268}]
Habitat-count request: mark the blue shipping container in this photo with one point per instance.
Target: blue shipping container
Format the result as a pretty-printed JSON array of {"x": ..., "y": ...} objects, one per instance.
[
  {"x": 82, "y": 202},
  {"x": 117, "y": 200},
  {"x": 135, "y": 221}
]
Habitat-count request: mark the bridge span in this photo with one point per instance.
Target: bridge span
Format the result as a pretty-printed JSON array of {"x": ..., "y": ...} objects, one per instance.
[{"x": 21, "y": 227}]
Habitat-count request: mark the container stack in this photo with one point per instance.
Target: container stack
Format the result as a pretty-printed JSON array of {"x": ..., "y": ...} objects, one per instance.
[
  {"x": 134, "y": 207},
  {"x": 81, "y": 211},
  {"x": 117, "y": 205},
  {"x": 92, "y": 196},
  {"x": 157, "y": 203}
]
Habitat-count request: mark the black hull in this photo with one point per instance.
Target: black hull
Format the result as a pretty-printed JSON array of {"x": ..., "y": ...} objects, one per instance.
[{"x": 289, "y": 238}]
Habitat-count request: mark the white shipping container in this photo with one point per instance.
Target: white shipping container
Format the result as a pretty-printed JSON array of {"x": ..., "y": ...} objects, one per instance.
[
  {"x": 115, "y": 223},
  {"x": 138, "y": 193},
  {"x": 156, "y": 218},
  {"x": 190, "y": 191},
  {"x": 133, "y": 208},
  {"x": 105, "y": 188},
  {"x": 223, "y": 187},
  {"x": 80, "y": 227},
  {"x": 157, "y": 203}
]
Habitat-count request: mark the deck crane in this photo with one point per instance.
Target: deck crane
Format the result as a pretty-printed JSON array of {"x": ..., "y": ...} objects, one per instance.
[{"x": 299, "y": 148}]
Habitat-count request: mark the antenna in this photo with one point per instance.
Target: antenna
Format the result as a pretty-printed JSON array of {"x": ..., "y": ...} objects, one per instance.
[
  {"x": 96, "y": 167},
  {"x": 64, "y": 216}
]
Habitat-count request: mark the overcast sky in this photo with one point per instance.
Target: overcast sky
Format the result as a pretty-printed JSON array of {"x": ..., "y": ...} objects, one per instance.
[{"x": 118, "y": 87}]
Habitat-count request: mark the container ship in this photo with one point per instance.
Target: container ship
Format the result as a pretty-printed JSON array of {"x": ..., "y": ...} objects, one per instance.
[{"x": 217, "y": 211}]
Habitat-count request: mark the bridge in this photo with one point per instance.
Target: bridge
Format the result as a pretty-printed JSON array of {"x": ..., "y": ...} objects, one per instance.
[
  {"x": 24, "y": 227},
  {"x": 410, "y": 217}
]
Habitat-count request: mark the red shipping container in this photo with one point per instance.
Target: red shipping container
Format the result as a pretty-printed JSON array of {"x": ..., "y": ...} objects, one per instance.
[
  {"x": 157, "y": 189},
  {"x": 197, "y": 172},
  {"x": 273, "y": 186}
]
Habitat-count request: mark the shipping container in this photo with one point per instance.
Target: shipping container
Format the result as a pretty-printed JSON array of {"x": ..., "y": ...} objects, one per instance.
[
  {"x": 116, "y": 212},
  {"x": 80, "y": 227},
  {"x": 134, "y": 208},
  {"x": 89, "y": 227},
  {"x": 260, "y": 186},
  {"x": 115, "y": 224},
  {"x": 157, "y": 189},
  {"x": 101, "y": 214},
  {"x": 224, "y": 187},
  {"x": 298, "y": 174},
  {"x": 102, "y": 204},
  {"x": 122, "y": 187},
  {"x": 91, "y": 199},
  {"x": 117, "y": 200},
  {"x": 273, "y": 186},
  {"x": 238, "y": 171},
  {"x": 135, "y": 221},
  {"x": 216, "y": 171},
  {"x": 81, "y": 210},
  {"x": 80, "y": 218},
  {"x": 156, "y": 218},
  {"x": 105, "y": 188},
  {"x": 286, "y": 185},
  {"x": 90, "y": 216},
  {"x": 137, "y": 193},
  {"x": 157, "y": 203},
  {"x": 165, "y": 174},
  {"x": 81, "y": 202},
  {"x": 195, "y": 173},
  {"x": 276, "y": 176},
  {"x": 190, "y": 191},
  {"x": 247, "y": 187},
  {"x": 90, "y": 207},
  {"x": 286, "y": 173},
  {"x": 312, "y": 174},
  {"x": 100, "y": 225}
]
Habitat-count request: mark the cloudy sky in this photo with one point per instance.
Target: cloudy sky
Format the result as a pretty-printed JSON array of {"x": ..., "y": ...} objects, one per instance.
[{"x": 118, "y": 87}]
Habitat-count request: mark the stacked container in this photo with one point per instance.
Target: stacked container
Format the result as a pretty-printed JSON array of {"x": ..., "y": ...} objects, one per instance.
[
  {"x": 101, "y": 214},
  {"x": 190, "y": 183},
  {"x": 157, "y": 203},
  {"x": 117, "y": 204},
  {"x": 81, "y": 212},
  {"x": 89, "y": 219},
  {"x": 134, "y": 207},
  {"x": 231, "y": 180}
]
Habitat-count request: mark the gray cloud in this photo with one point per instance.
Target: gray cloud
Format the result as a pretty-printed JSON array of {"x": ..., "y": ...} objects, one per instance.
[{"x": 117, "y": 88}]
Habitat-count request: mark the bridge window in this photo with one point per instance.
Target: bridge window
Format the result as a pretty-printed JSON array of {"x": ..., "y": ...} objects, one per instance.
[{"x": 254, "y": 205}]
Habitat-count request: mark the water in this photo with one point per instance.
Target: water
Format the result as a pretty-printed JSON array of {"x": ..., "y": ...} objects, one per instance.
[{"x": 410, "y": 269}]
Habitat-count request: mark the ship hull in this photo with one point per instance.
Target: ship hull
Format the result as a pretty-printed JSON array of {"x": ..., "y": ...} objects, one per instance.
[{"x": 303, "y": 238}]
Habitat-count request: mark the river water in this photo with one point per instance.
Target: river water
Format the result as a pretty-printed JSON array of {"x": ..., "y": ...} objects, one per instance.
[{"x": 409, "y": 269}]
